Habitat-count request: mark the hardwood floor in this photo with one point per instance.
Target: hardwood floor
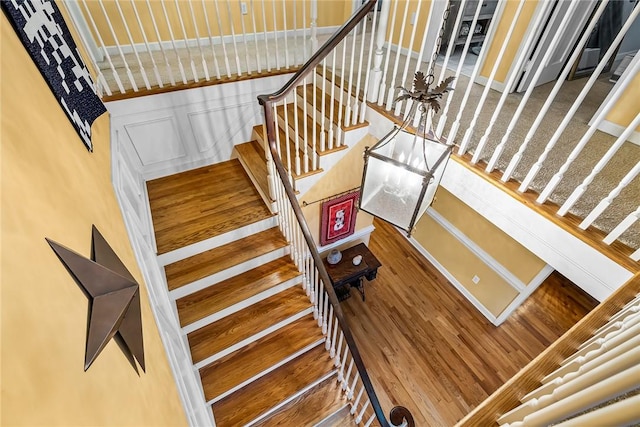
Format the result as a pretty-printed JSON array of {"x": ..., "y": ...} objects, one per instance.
[
  {"x": 204, "y": 211},
  {"x": 427, "y": 348}
]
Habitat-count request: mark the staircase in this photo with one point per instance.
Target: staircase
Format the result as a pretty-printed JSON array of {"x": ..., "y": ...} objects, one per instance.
[{"x": 241, "y": 302}]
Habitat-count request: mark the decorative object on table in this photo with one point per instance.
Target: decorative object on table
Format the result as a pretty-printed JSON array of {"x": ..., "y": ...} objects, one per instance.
[
  {"x": 114, "y": 299},
  {"x": 338, "y": 218},
  {"x": 46, "y": 37},
  {"x": 357, "y": 260},
  {"x": 402, "y": 170},
  {"x": 334, "y": 257}
]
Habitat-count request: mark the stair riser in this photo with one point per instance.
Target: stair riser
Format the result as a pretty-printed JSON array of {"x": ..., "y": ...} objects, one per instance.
[
  {"x": 214, "y": 242},
  {"x": 212, "y": 279},
  {"x": 296, "y": 281},
  {"x": 265, "y": 372},
  {"x": 247, "y": 341},
  {"x": 262, "y": 417}
]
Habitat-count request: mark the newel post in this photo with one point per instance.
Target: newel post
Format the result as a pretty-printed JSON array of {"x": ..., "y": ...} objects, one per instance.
[{"x": 375, "y": 76}]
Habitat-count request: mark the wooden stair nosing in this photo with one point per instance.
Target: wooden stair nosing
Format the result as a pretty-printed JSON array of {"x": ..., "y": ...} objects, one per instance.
[
  {"x": 237, "y": 369},
  {"x": 206, "y": 263},
  {"x": 217, "y": 241},
  {"x": 236, "y": 289},
  {"x": 231, "y": 332},
  {"x": 233, "y": 307},
  {"x": 259, "y": 399},
  {"x": 316, "y": 406}
]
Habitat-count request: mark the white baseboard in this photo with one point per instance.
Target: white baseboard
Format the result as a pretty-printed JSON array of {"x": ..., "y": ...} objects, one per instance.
[
  {"x": 362, "y": 234},
  {"x": 617, "y": 130},
  {"x": 114, "y": 51}
]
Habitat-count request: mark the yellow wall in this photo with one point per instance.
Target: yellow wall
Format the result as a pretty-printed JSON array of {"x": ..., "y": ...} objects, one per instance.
[
  {"x": 53, "y": 187},
  {"x": 420, "y": 26},
  {"x": 330, "y": 13},
  {"x": 514, "y": 41},
  {"x": 627, "y": 106},
  {"x": 346, "y": 174},
  {"x": 492, "y": 291}
]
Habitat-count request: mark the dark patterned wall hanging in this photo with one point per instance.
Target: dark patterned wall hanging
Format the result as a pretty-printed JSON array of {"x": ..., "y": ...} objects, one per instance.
[{"x": 46, "y": 37}]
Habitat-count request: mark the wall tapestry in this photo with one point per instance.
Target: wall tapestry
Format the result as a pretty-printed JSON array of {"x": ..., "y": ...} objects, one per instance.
[
  {"x": 114, "y": 299},
  {"x": 338, "y": 218},
  {"x": 46, "y": 37}
]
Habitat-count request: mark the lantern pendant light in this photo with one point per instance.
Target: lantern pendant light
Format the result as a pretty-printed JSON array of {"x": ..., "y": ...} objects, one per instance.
[{"x": 403, "y": 170}]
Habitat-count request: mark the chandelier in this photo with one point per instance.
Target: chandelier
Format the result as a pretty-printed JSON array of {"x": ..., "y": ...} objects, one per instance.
[{"x": 403, "y": 170}]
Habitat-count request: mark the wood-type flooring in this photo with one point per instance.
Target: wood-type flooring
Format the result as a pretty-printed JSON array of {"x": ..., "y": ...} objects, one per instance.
[{"x": 428, "y": 349}]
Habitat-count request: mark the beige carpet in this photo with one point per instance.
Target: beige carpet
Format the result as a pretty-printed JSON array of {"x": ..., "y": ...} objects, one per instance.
[{"x": 604, "y": 182}]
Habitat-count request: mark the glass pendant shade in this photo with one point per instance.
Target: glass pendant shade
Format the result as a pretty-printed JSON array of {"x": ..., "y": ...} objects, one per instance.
[{"x": 401, "y": 174}]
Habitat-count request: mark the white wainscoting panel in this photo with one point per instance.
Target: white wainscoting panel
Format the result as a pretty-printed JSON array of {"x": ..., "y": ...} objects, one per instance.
[
  {"x": 176, "y": 131},
  {"x": 156, "y": 141}
]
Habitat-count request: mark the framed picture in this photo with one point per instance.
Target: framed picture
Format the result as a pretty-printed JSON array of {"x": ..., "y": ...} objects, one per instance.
[{"x": 338, "y": 218}]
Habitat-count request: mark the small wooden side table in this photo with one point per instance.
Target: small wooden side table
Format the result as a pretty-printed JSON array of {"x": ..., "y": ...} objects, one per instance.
[{"x": 344, "y": 275}]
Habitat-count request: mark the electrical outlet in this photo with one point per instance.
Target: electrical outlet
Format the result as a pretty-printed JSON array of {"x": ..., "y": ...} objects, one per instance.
[
  {"x": 243, "y": 8},
  {"x": 413, "y": 18},
  {"x": 475, "y": 280}
]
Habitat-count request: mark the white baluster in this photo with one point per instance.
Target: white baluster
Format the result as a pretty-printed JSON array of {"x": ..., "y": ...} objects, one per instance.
[
  {"x": 327, "y": 342},
  {"x": 463, "y": 56},
  {"x": 305, "y": 131},
  {"x": 115, "y": 39},
  {"x": 405, "y": 72},
  {"x": 173, "y": 41},
  {"x": 233, "y": 38},
  {"x": 361, "y": 414},
  {"x": 454, "y": 30},
  {"x": 104, "y": 49},
  {"x": 505, "y": 93},
  {"x": 164, "y": 53},
  {"x": 287, "y": 63},
  {"x": 336, "y": 359},
  {"x": 244, "y": 38},
  {"x": 213, "y": 51},
  {"x": 476, "y": 70},
  {"x": 186, "y": 42},
  {"x": 325, "y": 312},
  {"x": 146, "y": 43},
  {"x": 356, "y": 101},
  {"x": 266, "y": 38},
  {"x": 383, "y": 79},
  {"x": 255, "y": 37},
  {"x": 579, "y": 191},
  {"x": 305, "y": 54},
  {"x": 354, "y": 407},
  {"x": 296, "y": 133},
  {"x": 622, "y": 227},
  {"x": 348, "y": 109},
  {"x": 434, "y": 49},
  {"x": 143, "y": 73},
  {"x": 321, "y": 297},
  {"x": 314, "y": 25},
  {"x": 314, "y": 122},
  {"x": 369, "y": 76},
  {"x": 332, "y": 352},
  {"x": 370, "y": 420},
  {"x": 338, "y": 126},
  {"x": 392, "y": 91},
  {"x": 275, "y": 32},
  {"x": 330, "y": 136},
  {"x": 323, "y": 131},
  {"x": 195, "y": 28},
  {"x": 345, "y": 381},
  {"x": 352, "y": 389},
  {"x": 295, "y": 33},
  {"x": 515, "y": 160},
  {"x": 224, "y": 44},
  {"x": 533, "y": 172}
]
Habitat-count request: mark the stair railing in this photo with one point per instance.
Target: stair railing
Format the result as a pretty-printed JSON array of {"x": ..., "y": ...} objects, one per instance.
[{"x": 340, "y": 343}]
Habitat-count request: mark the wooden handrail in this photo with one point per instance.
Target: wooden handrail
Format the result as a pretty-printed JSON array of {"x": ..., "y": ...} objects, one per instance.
[{"x": 398, "y": 414}]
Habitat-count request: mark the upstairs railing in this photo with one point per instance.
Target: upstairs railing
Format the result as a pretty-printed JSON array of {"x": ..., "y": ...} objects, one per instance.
[{"x": 339, "y": 340}]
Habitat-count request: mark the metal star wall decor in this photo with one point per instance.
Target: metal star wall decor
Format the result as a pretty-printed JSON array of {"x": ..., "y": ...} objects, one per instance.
[{"x": 114, "y": 299}]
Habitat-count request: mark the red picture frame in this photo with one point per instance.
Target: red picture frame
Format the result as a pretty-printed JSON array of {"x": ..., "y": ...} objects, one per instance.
[{"x": 338, "y": 218}]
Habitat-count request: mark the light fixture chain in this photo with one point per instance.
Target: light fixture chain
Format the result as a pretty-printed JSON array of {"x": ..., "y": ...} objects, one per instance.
[{"x": 436, "y": 50}]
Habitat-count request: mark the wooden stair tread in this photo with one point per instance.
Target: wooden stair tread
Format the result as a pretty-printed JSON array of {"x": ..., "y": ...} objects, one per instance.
[
  {"x": 259, "y": 131},
  {"x": 232, "y": 370},
  {"x": 253, "y": 157},
  {"x": 196, "y": 205},
  {"x": 327, "y": 106},
  {"x": 343, "y": 419},
  {"x": 233, "y": 290},
  {"x": 261, "y": 395},
  {"x": 314, "y": 406},
  {"x": 206, "y": 263},
  {"x": 217, "y": 336}
]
